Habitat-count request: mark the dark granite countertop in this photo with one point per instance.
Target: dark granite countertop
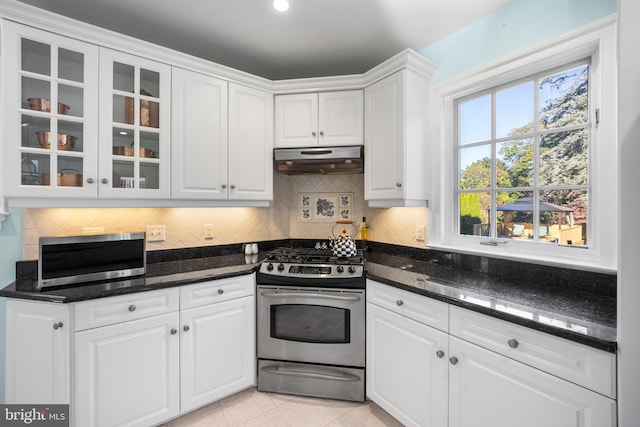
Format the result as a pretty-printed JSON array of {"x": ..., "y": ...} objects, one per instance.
[
  {"x": 583, "y": 317},
  {"x": 159, "y": 275}
]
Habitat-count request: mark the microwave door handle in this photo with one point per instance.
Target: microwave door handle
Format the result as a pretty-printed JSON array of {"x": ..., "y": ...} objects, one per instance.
[
  {"x": 280, "y": 371},
  {"x": 310, "y": 295}
]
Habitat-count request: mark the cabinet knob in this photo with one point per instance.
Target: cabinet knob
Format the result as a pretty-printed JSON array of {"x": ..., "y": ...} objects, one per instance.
[
  {"x": 321, "y": 133},
  {"x": 513, "y": 343},
  {"x": 313, "y": 134},
  {"x": 132, "y": 307},
  {"x": 173, "y": 331},
  {"x": 440, "y": 354},
  {"x": 104, "y": 181},
  {"x": 220, "y": 291},
  {"x": 58, "y": 325},
  {"x": 224, "y": 186},
  {"x": 89, "y": 180},
  {"x": 186, "y": 328},
  {"x": 453, "y": 360},
  {"x": 398, "y": 184},
  {"x": 233, "y": 187},
  {"x": 399, "y": 303}
]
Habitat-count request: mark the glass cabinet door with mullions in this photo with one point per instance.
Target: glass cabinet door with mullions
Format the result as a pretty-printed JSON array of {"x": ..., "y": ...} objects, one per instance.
[
  {"x": 134, "y": 127},
  {"x": 51, "y": 113}
]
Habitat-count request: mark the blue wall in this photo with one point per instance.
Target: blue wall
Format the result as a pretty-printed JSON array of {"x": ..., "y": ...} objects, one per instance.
[
  {"x": 514, "y": 27},
  {"x": 10, "y": 252}
]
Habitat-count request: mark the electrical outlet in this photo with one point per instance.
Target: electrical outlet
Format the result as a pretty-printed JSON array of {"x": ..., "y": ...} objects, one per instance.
[
  {"x": 208, "y": 231},
  {"x": 155, "y": 233},
  {"x": 420, "y": 232}
]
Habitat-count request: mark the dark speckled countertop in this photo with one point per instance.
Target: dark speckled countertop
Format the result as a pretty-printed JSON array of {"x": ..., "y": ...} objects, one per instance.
[{"x": 581, "y": 316}]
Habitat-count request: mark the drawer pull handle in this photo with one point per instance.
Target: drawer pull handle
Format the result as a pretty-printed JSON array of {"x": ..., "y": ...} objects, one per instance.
[
  {"x": 174, "y": 331},
  {"x": 186, "y": 328},
  {"x": 440, "y": 354},
  {"x": 220, "y": 291},
  {"x": 400, "y": 303},
  {"x": 453, "y": 360},
  {"x": 513, "y": 343},
  {"x": 132, "y": 307},
  {"x": 58, "y": 325}
]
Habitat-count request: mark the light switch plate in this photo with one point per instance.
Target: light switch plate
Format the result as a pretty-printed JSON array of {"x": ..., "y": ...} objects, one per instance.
[
  {"x": 420, "y": 232},
  {"x": 155, "y": 233},
  {"x": 208, "y": 231}
]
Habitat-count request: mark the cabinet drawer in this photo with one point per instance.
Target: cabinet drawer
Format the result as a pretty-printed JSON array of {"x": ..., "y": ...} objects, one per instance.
[
  {"x": 580, "y": 364},
  {"x": 425, "y": 310},
  {"x": 109, "y": 311},
  {"x": 216, "y": 290}
]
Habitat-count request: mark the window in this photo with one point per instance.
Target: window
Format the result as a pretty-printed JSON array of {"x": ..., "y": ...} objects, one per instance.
[{"x": 522, "y": 151}]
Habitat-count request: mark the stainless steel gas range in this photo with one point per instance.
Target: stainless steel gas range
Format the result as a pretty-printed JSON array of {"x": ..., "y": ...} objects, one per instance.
[{"x": 311, "y": 324}]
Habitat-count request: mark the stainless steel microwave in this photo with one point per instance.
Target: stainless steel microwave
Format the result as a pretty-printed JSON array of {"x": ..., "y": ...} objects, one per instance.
[{"x": 67, "y": 260}]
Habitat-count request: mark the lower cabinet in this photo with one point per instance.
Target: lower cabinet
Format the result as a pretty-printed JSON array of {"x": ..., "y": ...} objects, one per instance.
[
  {"x": 478, "y": 371},
  {"x": 127, "y": 374}
]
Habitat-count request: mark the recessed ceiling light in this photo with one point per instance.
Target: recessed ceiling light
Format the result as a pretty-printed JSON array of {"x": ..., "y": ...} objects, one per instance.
[{"x": 281, "y": 5}]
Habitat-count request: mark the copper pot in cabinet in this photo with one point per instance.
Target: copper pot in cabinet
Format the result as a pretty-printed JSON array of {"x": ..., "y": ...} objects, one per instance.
[
  {"x": 65, "y": 142},
  {"x": 44, "y": 104}
]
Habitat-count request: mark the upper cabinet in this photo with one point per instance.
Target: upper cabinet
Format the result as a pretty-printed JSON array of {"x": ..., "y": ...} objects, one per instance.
[
  {"x": 324, "y": 119},
  {"x": 50, "y": 134},
  {"x": 135, "y": 116},
  {"x": 395, "y": 140},
  {"x": 222, "y": 139}
]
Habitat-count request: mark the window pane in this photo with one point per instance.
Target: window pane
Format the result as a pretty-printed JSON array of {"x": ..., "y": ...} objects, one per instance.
[
  {"x": 475, "y": 120},
  {"x": 564, "y": 158},
  {"x": 514, "y": 110},
  {"x": 515, "y": 215},
  {"x": 474, "y": 213},
  {"x": 475, "y": 167},
  {"x": 515, "y": 163},
  {"x": 564, "y": 98},
  {"x": 564, "y": 217}
]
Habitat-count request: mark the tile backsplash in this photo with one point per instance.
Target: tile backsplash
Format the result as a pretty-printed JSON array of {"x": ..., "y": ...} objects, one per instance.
[{"x": 185, "y": 226}]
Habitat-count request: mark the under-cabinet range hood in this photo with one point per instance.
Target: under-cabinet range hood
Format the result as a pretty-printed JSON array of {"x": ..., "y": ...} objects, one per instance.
[{"x": 319, "y": 160}]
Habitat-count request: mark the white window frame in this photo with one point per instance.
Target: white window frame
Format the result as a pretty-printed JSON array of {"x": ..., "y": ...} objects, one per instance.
[{"x": 597, "y": 41}]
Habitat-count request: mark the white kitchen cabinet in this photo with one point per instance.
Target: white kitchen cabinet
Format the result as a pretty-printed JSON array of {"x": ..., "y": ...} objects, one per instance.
[
  {"x": 490, "y": 390},
  {"x": 319, "y": 119},
  {"x": 395, "y": 140},
  {"x": 222, "y": 139},
  {"x": 135, "y": 130},
  {"x": 37, "y": 353},
  {"x": 41, "y": 70},
  {"x": 250, "y": 164},
  {"x": 406, "y": 359},
  {"x": 199, "y": 136},
  {"x": 217, "y": 351},
  {"x": 128, "y": 373}
]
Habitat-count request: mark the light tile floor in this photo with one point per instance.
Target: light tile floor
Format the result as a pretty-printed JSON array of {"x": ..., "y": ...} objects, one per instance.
[{"x": 251, "y": 408}]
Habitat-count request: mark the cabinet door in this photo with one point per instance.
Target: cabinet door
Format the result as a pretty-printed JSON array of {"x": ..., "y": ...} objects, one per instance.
[
  {"x": 135, "y": 114},
  {"x": 490, "y": 390},
  {"x": 199, "y": 136},
  {"x": 37, "y": 353},
  {"x": 217, "y": 351},
  {"x": 384, "y": 138},
  {"x": 340, "y": 118},
  {"x": 406, "y": 368},
  {"x": 128, "y": 374},
  {"x": 49, "y": 151},
  {"x": 250, "y": 143},
  {"x": 296, "y": 120}
]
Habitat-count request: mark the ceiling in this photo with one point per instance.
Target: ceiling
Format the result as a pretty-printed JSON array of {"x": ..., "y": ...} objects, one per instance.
[{"x": 313, "y": 38}]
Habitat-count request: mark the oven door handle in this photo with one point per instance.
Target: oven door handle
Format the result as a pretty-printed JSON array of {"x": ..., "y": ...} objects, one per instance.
[
  {"x": 280, "y": 371},
  {"x": 310, "y": 295}
]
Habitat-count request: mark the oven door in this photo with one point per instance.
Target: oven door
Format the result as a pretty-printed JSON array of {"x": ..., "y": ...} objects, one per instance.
[{"x": 311, "y": 325}]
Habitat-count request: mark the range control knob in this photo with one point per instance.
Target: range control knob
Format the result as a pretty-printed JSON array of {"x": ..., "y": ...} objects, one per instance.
[
  {"x": 280, "y": 267},
  {"x": 340, "y": 269},
  {"x": 270, "y": 266},
  {"x": 352, "y": 269}
]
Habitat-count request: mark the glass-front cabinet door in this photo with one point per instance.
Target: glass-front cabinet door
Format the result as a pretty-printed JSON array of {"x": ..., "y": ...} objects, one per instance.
[
  {"x": 134, "y": 127},
  {"x": 50, "y": 114}
]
